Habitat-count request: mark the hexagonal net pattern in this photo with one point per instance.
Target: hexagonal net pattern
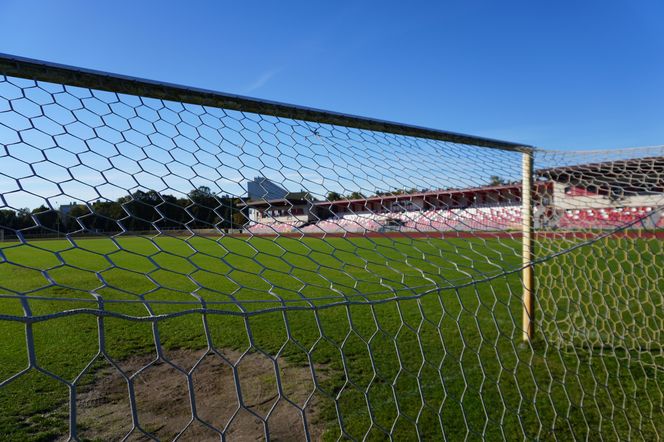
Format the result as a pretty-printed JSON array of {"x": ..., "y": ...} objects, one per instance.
[
  {"x": 608, "y": 206},
  {"x": 177, "y": 270}
]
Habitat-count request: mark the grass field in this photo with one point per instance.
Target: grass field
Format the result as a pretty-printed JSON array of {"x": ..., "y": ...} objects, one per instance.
[{"x": 414, "y": 337}]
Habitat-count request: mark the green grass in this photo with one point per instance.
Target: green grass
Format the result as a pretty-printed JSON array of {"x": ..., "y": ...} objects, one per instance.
[{"x": 452, "y": 356}]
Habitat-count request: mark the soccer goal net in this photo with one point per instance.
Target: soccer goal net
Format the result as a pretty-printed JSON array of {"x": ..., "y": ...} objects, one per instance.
[{"x": 178, "y": 263}]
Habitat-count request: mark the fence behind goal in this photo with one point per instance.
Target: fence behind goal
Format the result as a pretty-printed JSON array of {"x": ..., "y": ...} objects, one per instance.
[{"x": 184, "y": 264}]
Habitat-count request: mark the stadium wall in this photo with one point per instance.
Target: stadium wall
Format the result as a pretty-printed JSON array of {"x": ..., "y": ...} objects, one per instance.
[{"x": 562, "y": 200}]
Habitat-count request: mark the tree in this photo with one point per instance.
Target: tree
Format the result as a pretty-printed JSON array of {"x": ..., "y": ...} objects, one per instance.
[
  {"x": 8, "y": 220},
  {"x": 495, "y": 180},
  {"x": 139, "y": 204},
  {"x": 23, "y": 218},
  {"x": 356, "y": 196},
  {"x": 334, "y": 196},
  {"x": 106, "y": 216},
  {"x": 238, "y": 217},
  {"x": 139, "y": 211},
  {"x": 210, "y": 210},
  {"x": 47, "y": 218},
  {"x": 172, "y": 212},
  {"x": 201, "y": 193},
  {"x": 77, "y": 215}
]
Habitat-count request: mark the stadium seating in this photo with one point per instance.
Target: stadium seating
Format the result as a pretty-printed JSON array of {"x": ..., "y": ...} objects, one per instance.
[
  {"x": 603, "y": 218},
  {"x": 476, "y": 218},
  {"x": 354, "y": 223},
  {"x": 489, "y": 218},
  {"x": 660, "y": 221},
  {"x": 267, "y": 227},
  {"x": 469, "y": 219}
]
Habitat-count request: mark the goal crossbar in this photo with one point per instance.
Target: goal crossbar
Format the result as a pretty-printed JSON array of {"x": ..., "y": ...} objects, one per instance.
[{"x": 39, "y": 70}]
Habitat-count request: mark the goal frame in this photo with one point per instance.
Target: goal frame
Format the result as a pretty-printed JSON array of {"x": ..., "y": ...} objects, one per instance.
[{"x": 39, "y": 70}]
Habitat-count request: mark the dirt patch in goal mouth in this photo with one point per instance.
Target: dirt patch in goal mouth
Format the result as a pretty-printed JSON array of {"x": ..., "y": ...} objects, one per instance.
[{"x": 234, "y": 393}]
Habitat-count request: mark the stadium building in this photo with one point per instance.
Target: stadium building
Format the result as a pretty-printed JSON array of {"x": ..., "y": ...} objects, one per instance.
[
  {"x": 572, "y": 197},
  {"x": 607, "y": 194}
]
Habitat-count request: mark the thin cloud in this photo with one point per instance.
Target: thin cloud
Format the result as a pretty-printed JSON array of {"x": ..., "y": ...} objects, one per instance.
[{"x": 263, "y": 79}]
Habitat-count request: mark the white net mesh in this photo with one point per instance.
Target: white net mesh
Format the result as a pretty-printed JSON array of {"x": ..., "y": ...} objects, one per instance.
[
  {"x": 608, "y": 206},
  {"x": 173, "y": 270}
]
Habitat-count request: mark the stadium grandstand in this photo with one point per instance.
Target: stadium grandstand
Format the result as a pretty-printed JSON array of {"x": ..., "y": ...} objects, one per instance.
[{"x": 586, "y": 196}]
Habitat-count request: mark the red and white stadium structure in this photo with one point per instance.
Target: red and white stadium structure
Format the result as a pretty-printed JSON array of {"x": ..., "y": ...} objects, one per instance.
[{"x": 605, "y": 195}]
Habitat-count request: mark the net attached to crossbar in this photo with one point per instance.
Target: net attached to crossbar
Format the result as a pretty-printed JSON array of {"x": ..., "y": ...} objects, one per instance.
[{"x": 171, "y": 268}]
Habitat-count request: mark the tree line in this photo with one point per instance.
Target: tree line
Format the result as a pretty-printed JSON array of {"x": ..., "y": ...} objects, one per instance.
[{"x": 140, "y": 211}]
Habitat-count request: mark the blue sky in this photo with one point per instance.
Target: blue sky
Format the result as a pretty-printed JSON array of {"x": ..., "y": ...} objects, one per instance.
[{"x": 561, "y": 75}]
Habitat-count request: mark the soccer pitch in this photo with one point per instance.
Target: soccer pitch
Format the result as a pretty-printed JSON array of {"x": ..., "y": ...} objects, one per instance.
[{"x": 410, "y": 336}]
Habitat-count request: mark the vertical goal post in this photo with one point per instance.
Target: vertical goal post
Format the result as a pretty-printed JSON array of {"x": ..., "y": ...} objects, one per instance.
[{"x": 527, "y": 252}]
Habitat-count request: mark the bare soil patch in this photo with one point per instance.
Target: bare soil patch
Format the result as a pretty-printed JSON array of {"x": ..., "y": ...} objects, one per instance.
[{"x": 233, "y": 394}]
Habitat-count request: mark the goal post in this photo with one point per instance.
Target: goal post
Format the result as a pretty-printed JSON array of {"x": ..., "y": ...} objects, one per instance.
[
  {"x": 527, "y": 249},
  {"x": 182, "y": 263},
  {"x": 38, "y": 70}
]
